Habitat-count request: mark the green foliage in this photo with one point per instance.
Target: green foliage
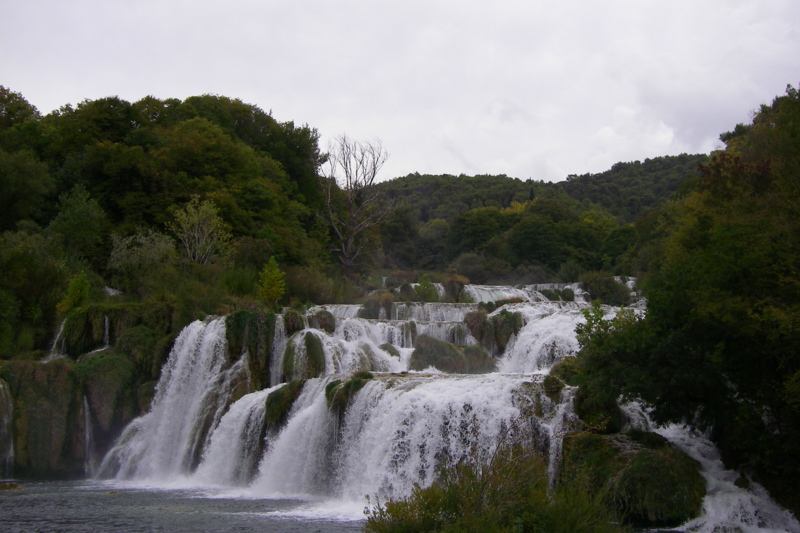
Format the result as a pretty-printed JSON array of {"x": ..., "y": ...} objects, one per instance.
[
  {"x": 426, "y": 291},
  {"x": 77, "y": 293},
  {"x": 603, "y": 287},
  {"x": 25, "y": 182},
  {"x": 504, "y": 491},
  {"x": 641, "y": 476},
  {"x": 449, "y": 358},
  {"x": 271, "y": 285},
  {"x": 339, "y": 394},
  {"x": 136, "y": 258},
  {"x": 203, "y": 234},
  {"x": 80, "y": 224}
]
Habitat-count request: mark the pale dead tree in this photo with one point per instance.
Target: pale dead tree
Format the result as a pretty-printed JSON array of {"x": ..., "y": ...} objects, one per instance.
[{"x": 354, "y": 204}]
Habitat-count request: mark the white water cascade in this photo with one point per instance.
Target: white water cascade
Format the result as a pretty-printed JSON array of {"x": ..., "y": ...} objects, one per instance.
[
  {"x": 6, "y": 431},
  {"x": 190, "y": 398},
  {"x": 395, "y": 431}
]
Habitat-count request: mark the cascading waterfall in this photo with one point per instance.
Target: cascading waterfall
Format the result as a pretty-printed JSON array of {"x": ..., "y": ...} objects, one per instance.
[
  {"x": 193, "y": 391},
  {"x": 89, "y": 463},
  {"x": 6, "y": 431},
  {"x": 395, "y": 431}
]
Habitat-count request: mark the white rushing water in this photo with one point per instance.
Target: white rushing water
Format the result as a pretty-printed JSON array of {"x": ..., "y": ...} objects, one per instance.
[
  {"x": 6, "y": 431},
  {"x": 398, "y": 428},
  {"x": 190, "y": 397}
]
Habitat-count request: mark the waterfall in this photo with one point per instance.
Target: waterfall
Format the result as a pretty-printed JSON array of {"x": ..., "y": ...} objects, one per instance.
[
  {"x": 89, "y": 466},
  {"x": 395, "y": 429},
  {"x": 190, "y": 397},
  {"x": 278, "y": 347},
  {"x": 6, "y": 431},
  {"x": 56, "y": 351}
]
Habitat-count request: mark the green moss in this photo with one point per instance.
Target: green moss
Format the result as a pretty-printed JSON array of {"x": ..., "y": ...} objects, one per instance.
[
  {"x": 390, "y": 349},
  {"x": 506, "y": 324},
  {"x": 314, "y": 358},
  {"x": 252, "y": 332},
  {"x": 641, "y": 476},
  {"x": 326, "y": 321},
  {"x": 315, "y": 355},
  {"x": 139, "y": 345},
  {"x": 370, "y": 309},
  {"x": 279, "y": 402},
  {"x": 145, "y": 394},
  {"x": 48, "y": 426},
  {"x": 293, "y": 321},
  {"x": 553, "y": 387},
  {"x": 109, "y": 384},
  {"x": 339, "y": 394},
  {"x": 448, "y": 358}
]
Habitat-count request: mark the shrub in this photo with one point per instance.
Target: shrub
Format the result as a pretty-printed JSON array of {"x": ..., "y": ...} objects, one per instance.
[
  {"x": 504, "y": 490},
  {"x": 602, "y": 286},
  {"x": 426, "y": 291}
]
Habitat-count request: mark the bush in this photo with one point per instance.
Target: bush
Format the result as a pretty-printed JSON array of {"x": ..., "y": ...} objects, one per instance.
[
  {"x": 326, "y": 321},
  {"x": 641, "y": 476},
  {"x": 602, "y": 286},
  {"x": 507, "y": 490}
]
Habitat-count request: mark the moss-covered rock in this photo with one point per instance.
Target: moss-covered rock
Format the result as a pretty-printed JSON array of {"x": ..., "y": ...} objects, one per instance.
[
  {"x": 449, "y": 358},
  {"x": 293, "y": 321},
  {"x": 139, "y": 344},
  {"x": 145, "y": 394},
  {"x": 339, "y": 394},
  {"x": 303, "y": 359},
  {"x": 110, "y": 386},
  {"x": 641, "y": 475},
  {"x": 600, "y": 415},
  {"x": 390, "y": 349},
  {"x": 370, "y": 309},
  {"x": 326, "y": 321},
  {"x": 48, "y": 422},
  {"x": 252, "y": 332},
  {"x": 506, "y": 324},
  {"x": 279, "y": 402}
]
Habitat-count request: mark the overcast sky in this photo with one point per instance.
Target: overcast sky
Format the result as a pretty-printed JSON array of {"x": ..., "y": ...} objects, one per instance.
[{"x": 539, "y": 89}]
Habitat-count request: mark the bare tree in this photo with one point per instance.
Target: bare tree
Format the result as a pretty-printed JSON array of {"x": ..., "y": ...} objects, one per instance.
[{"x": 353, "y": 202}]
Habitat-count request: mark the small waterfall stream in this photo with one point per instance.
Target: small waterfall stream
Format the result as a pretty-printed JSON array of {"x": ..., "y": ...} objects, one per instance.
[
  {"x": 6, "y": 431},
  {"x": 396, "y": 430}
]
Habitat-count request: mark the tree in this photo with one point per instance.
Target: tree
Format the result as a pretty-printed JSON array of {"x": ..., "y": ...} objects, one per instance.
[
  {"x": 201, "y": 231},
  {"x": 353, "y": 202},
  {"x": 80, "y": 223},
  {"x": 271, "y": 285}
]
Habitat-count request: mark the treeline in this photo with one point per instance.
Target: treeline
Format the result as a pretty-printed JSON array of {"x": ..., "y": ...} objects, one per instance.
[
  {"x": 505, "y": 230},
  {"x": 182, "y": 201},
  {"x": 198, "y": 203}
]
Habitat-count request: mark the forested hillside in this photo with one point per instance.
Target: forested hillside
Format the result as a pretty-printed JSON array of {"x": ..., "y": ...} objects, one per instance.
[
  {"x": 197, "y": 203},
  {"x": 719, "y": 347}
]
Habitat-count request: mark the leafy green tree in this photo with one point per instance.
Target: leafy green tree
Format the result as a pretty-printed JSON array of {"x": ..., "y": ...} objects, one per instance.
[
  {"x": 271, "y": 285},
  {"x": 203, "y": 234},
  {"x": 137, "y": 257},
  {"x": 80, "y": 224},
  {"x": 24, "y": 182}
]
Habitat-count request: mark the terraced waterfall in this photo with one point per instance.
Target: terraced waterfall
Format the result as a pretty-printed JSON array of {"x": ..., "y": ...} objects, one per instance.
[{"x": 355, "y": 408}]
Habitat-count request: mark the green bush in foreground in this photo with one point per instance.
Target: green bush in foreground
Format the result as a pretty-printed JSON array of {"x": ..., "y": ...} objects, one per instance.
[{"x": 506, "y": 493}]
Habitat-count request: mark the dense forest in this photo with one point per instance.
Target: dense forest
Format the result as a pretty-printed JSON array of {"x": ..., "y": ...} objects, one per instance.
[
  {"x": 209, "y": 205},
  {"x": 112, "y": 194}
]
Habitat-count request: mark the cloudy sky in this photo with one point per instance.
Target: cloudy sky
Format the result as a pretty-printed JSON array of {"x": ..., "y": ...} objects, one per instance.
[{"x": 528, "y": 88}]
